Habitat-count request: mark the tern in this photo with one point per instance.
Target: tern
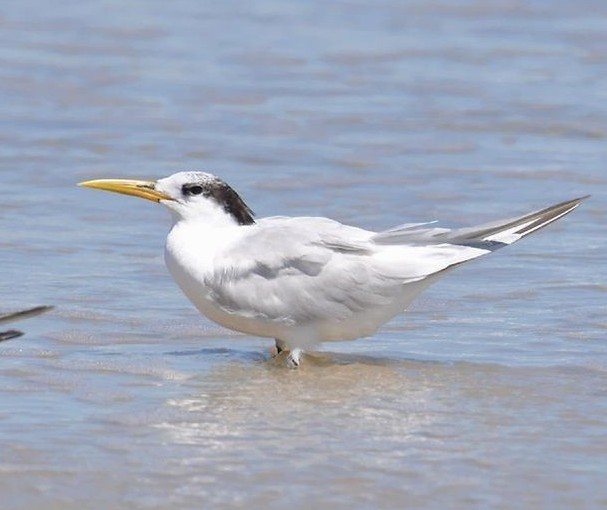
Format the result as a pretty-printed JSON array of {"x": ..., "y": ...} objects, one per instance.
[
  {"x": 15, "y": 316},
  {"x": 305, "y": 280}
]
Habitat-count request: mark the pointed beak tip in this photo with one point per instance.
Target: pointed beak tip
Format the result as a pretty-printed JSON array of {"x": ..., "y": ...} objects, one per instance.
[{"x": 96, "y": 183}]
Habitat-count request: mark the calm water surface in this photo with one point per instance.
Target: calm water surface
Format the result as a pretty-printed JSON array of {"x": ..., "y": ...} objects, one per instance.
[{"x": 491, "y": 392}]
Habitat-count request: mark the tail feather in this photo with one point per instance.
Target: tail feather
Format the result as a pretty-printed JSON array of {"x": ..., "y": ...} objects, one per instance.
[
  {"x": 489, "y": 236},
  {"x": 508, "y": 231}
]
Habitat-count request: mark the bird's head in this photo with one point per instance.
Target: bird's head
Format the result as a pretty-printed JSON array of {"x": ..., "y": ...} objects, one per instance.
[{"x": 188, "y": 195}]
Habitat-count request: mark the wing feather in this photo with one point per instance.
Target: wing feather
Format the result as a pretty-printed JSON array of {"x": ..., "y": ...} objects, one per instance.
[
  {"x": 301, "y": 270},
  {"x": 489, "y": 236}
]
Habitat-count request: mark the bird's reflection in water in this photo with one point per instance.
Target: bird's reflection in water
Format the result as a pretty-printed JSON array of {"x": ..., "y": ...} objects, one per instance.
[{"x": 236, "y": 403}]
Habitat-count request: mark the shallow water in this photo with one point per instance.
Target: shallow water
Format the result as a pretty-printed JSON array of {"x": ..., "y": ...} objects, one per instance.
[{"x": 491, "y": 392}]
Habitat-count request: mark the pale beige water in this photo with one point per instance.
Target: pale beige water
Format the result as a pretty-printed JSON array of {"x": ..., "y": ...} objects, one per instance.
[{"x": 490, "y": 393}]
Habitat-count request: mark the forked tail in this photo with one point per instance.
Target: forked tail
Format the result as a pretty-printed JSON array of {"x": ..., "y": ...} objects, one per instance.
[
  {"x": 489, "y": 236},
  {"x": 506, "y": 232}
]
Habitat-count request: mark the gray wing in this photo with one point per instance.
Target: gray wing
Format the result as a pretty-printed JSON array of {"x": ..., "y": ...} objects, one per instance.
[{"x": 303, "y": 269}]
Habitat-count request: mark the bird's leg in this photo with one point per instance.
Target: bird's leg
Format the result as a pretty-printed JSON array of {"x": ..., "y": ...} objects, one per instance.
[
  {"x": 280, "y": 346},
  {"x": 293, "y": 355}
]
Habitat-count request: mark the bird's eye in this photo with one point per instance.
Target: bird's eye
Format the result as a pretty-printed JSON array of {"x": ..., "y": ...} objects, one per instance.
[{"x": 192, "y": 190}]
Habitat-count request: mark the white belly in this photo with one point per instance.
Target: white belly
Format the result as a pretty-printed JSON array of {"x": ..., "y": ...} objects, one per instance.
[
  {"x": 360, "y": 325},
  {"x": 194, "y": 267}
]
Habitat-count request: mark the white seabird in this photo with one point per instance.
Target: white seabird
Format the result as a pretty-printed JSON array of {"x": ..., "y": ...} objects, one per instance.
[{"x": 305, "y": 280}]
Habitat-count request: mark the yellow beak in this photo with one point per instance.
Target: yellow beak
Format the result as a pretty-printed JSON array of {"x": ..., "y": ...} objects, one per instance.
[{"x": 142, "y": 189}]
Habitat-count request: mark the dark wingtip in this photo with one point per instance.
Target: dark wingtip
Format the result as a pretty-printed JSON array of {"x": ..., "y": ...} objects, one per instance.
[
  {"x": 578, "y": 200},
  {"x": 8, "y": 335},
  {"x": 24, "y": 314}
]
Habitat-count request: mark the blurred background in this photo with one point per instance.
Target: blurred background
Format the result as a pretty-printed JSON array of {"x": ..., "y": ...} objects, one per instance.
[{"x": 490, "y": 391}]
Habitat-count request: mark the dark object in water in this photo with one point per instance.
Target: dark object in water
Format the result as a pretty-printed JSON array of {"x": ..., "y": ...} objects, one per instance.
[
  {"x": 11, "y": 333},
  {"x": 16, "y": 316}
]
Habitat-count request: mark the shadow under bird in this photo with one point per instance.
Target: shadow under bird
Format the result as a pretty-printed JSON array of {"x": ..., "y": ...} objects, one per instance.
[
  {"x": 17, "y": 316},
  {"x": 305, "y": 280}
]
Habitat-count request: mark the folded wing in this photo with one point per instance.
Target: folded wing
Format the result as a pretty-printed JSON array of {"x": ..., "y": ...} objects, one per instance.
[{"x": 301, "y": 270}]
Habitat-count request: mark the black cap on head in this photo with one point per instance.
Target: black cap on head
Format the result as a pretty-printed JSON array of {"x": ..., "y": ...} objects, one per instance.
[{"x": 213, "y": 187}]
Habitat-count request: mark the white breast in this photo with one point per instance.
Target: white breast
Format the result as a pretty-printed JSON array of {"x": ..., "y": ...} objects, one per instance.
[{"x": 191, "y": 256}]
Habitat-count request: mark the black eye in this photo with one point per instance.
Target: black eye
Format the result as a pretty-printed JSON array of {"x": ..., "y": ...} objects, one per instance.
[{"x": 192, "y": 189}]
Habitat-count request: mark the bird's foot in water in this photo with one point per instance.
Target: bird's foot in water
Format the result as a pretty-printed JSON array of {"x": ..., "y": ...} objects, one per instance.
[{"x": 293, "y": 358}]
